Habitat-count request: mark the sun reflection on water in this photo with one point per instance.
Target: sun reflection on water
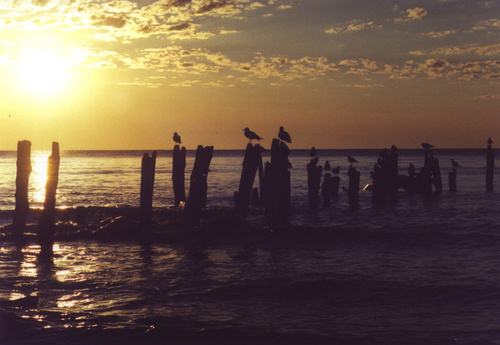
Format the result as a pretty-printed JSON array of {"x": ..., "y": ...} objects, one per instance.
[{"x": 38, "y": 176}]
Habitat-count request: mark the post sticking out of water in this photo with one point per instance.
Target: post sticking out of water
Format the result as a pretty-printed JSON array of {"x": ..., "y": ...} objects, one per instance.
[
  {"x": 22, "y": 179},
  {"x": 178, "y": 171},
  {"x": 197, "y": 197},
  {"x": 354, "y": 177},
  {"x": 452, "y": 180},
  {"x": 250, "y": 165},
  {"x": 277, "y": 177},
  {"x": 147, "y": 185},
  {"x": 490, "y": 164},
  {"x": 313, "y": 182},
  {"x": 46, "y": 225}
]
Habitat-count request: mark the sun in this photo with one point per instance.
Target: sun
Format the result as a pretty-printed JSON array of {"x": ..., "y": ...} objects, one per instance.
[{"x": 43, "y": 73}]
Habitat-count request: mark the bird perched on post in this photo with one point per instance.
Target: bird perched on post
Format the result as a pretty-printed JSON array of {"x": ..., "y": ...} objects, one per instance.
[
  {"x": 454, "y": 163},
  {"x": 251, "y": 135},
  {"x": 351, "y": 159},
  {"x": 177, "y": 138},
  {"x": 284, "y": 136},
  {"x": 427, "y": 146}
]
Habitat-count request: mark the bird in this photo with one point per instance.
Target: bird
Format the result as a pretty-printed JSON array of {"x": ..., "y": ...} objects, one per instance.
[
  {"x": 284, "y": 136},
  {"x": 427, "y": 146},
  {"x": 177, "y": 138},
  {"x": 336, "y": 170},
  {"x": 454, "y": 163},
  {"x": 327, "y": 166},
  {"x": 351, "y": 159},
  {"x": 251, "y": 135},
  {"x": 312, "y": 152}
]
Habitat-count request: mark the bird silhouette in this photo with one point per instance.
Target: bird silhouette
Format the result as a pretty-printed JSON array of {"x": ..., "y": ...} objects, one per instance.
[
  {"x": 351, "y": 159},
  {"x": 454, "y": 163},
  {"x": 336, "y": 170},
  {"x": 427, "y": 146},
  {"x": 327, "y": 166},
  {"x": 312, "y": 152},
  {"x": 177, "y": 138},
  {"x": 284, "y": 136},
  {"x": 251, "y": 135}
]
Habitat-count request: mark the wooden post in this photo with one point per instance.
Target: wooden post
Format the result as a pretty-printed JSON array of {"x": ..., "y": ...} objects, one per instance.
[
  {"x": 313, "y": 182},
  {"x": 22, "y": 179},
  {"x": 354, "y": 177},
  {"x": 335, "y": 185},
  {"x": 46, "y": 225},
  {"x": 197, "y": 197},
  {"x": 490, "y": 164},
  {"x": 250, "y": 166},
  {"x": 178, "y": 172},
  {"x": 452, "y": 180},
  {"x": 327, "y": 189},
  {"x": 277, "y": 179},
  {"x": 148, "y": 167},
  {"x": 436, "y": 174}
]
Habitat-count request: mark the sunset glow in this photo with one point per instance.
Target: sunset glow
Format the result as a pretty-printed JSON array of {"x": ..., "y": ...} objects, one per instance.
[
  {"x": 337, "y": 74},
  {"x": 43, "y": 73}
]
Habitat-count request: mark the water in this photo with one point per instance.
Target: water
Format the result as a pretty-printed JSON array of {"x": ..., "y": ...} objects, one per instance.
[{"x": 420, "y": 271}]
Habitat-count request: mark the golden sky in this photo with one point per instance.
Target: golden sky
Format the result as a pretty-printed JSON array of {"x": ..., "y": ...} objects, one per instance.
[{"x": 98, "y": 74}]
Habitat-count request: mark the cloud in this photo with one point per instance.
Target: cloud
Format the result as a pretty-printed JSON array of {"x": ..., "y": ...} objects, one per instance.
[
  {"x": 412, "y": 14},
  {"x": 484, "y": 97},
  {"x": 354, "y": 26},
  {"x": 117, "y": 22},
  {"x": 440, "y": 34},
  {"x": 493, "y": 49}
]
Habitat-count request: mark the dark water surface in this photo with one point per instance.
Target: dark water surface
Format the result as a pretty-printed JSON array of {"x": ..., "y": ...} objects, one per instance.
[{"x": 420, "y": 271}]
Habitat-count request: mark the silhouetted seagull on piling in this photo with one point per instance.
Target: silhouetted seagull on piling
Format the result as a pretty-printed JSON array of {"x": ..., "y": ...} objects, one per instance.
[
  {"x": 454, "y": 163},
  {"x": 427, "y": 146},
  {"x": 284, "y": 136},
  {"x": 251, "y": 135},
  {"x": 351, "y": 159},
  {"x": 177, "y": 138}
]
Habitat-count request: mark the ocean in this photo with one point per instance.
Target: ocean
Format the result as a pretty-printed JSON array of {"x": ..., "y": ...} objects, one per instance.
[{"x": 420, "y": 270}]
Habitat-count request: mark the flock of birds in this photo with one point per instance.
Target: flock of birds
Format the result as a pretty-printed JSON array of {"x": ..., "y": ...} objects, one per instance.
[{"x": 285, "y": 137}]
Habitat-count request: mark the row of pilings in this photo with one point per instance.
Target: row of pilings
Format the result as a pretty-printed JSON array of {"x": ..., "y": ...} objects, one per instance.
[{"x": 274, "y": 184}]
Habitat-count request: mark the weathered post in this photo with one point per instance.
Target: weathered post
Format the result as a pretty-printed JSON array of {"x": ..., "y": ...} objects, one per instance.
[
  {"x": 148, "y": 167},
  {"x": 22, "y": 179},
  {"x": 197, "y": 197},
  {"x": 354, "y": 177},
  {"x": 490, "y": 164},
  {"x": 436, "y": 174},
  {"x": 313, "y": 182},
  {"x": 277, "y": 179},
  {"x": 452, "y": 180},
  {"x": 178, "y": 171},
  {"x": 46, "y": 224},
  {"x": 250, "y": 166},
  {"x": 327, "y": 189}
]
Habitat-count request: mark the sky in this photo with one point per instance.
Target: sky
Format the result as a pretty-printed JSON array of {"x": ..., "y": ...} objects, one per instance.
[{"x": 111, "y": 75}]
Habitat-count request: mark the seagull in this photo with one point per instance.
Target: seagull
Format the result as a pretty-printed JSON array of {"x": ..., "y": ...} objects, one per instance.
[
  {"x": 177, "y": 138},
  {"x": 327, "y": 166},
  {"x": 351, "y": 159},
  {"x": 251, "y": 135},
  {"x": 455, "y": 164},
  {"x": 336, "y": 170},
  {"x": 427, "y": 146},
  {"x": 284, "y": 135},
  {"x": 312, "y": 152}
]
